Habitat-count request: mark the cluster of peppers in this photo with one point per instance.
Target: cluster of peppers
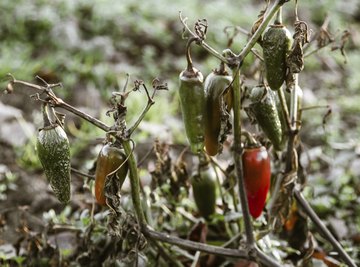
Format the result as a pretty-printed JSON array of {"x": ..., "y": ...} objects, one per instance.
[
  {"x": 205, "y": 104},
  {"x": 205, "y": 109}
]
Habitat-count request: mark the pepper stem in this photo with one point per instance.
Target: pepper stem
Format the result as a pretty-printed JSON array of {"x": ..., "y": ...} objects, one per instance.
[
  {"x": 188, "y": 54},
  {"x": 278, "y": 19},
  {"x": 45, "y": 114},
  {"x": 222, "y": 70},
  {"x": 251, "y": 141}
]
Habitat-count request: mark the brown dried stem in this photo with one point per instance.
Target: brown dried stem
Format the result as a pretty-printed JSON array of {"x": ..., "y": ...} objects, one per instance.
[
  {"x": 58, "y": 102},
  {"x": 322, "y": 228}
]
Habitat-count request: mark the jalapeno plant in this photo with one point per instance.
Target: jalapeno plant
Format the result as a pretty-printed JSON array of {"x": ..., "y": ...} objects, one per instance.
[{"x": 211, "y": 110}]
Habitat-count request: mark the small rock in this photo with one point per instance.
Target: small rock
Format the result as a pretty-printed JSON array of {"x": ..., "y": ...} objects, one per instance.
[
  {"x": 14, "y": 129},
  {"x": 355, "y": 167},
  {"x": 339, "y": 227},
  {"x": 16, "y": 134},
  {"x": 65, "y": 241},
  {"x": 9, "y": 112}
]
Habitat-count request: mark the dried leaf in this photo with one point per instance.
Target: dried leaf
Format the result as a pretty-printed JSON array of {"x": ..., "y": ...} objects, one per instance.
[
  {"x": 260, "y": 19},
  {"x": 282, "y": 204},
  {"x": 345, "y": 37},
  {"x": 325, "y": 117},
  {"x": 324, "y": 37},
  {"x": 200, "y": 28},
  {"x": 296, "y": 228},
  {"x": 295, "y": 59}
]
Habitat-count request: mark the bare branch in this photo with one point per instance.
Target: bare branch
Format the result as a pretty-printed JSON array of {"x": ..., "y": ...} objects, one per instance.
[
  {"x": 203, "y": 43},
  {"x": 58, "y": 102},
  {"x": 322, "y": 228}
]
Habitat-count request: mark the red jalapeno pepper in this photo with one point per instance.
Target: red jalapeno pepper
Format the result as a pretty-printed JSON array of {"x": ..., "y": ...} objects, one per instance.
[{"x": 257, "y": 172}]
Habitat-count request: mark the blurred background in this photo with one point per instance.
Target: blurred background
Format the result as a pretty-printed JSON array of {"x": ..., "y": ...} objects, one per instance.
[{"x": 91, "y": 45}]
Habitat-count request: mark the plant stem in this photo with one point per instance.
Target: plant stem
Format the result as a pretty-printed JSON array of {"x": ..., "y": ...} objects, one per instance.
[
  {"x": 214, "y": 250},
  {"x": 83, "y": 115},
  {"x": 250, "y": 241},
  {"x": 135, "y": 183},
  {"x": 58, "y": 102},
  {"x": 234, "y": 198},
  {"x": 232, "y": 240},
  {"x": 166, "y": 255},
  {"x": 294, "y": 108},
  {"x": 284, "y": 108},
  {"x": 232, "y": 191},
  {"x": 195, "y": 246},
  {"x": 203, "y": 43},
  {"x": 141, "y": 117},
  {"x": 254, "y": 38},
  {"x": 290, "y": 126},
  {"x": 224, "y": 203},
  {"x": 265, "y": 259},
  {"x": 80, "y": 173},
  {"x": 196, "y": 259},
  {"x": 322, "y": 228},
  {"x": 249, "y": 45}
]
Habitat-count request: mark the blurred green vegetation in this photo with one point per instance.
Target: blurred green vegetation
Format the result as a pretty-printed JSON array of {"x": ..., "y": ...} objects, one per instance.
[{"x": 95, "y": 43}]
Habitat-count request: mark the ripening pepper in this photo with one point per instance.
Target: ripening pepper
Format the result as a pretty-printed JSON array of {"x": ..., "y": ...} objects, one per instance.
[
  {"x": 109, "y": 159},
  {"x": 215, "y": 85},
  {"x": 204, "y": 190},
  {"x": 54, "y": 153},
  {"x": 276, "y": 46},
  {"x": 257, "y": 173}
]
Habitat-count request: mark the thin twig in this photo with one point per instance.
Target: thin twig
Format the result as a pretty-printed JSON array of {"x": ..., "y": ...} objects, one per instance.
[
  {"x": 214, "y": 250},
  {"x": 254, "y": 38},
  {"x": 294, "y": 109},
  {"x": 322, "y": 228},
  {"x": 265, "y": 259},
  {"x": 64, "y": 228},
  {"x": 257, "y": 54},
  {"x": 166, "y": 255},
  {"x": 203, "y": 43},
  {"x": 314, "y": 107},
  {"x": 284, "y": 108},
  {"x": 224, "y": 204},
  {"x": 195, "y": 246},
  {"x": 150, "y": 102},
  {"x": 196, "y": 259},
  {"x": 232, "y": 190},
  {"x": 83, "y": 115},
  {"x": 250, "y": 241},
  {"x": 58, "y": 102},
  {"x": 142, "y": 160},
  {"x": 292, "y": 131},
  {"x": 232, "y": 240},
  {"x": 80, "y": 173}
]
